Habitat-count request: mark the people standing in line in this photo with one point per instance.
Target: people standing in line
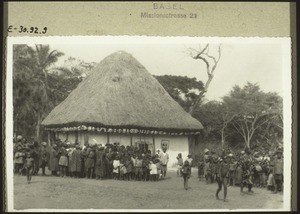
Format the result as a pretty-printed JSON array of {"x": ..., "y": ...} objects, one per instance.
[
  {"x": 179, "y": 164},
  {"x": 164, "y": 159},
  {"x": 222, "y": 176},
  {"x": 186, "y": 173}
]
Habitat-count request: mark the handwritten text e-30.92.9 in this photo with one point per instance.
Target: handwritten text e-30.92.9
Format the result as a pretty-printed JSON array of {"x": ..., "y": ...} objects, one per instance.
[{"x": 22, "y": 29}]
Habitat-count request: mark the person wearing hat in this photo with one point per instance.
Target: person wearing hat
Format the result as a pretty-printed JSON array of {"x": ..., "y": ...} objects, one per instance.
[
  {"x": 190, "y": 159},
  {"x": 222, "y": 176},
  {"x": 278, "y": 170}
]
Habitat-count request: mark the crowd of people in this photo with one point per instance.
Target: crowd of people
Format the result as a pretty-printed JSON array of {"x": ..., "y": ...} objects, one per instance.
[
  {"x": 110, "y": 161},
  {"x": 245, "y": 169},
  {"x": 113, "y": 161}
]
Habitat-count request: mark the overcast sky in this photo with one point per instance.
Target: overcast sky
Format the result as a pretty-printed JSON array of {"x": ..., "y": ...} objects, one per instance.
[{"x": 256, "y": 62}]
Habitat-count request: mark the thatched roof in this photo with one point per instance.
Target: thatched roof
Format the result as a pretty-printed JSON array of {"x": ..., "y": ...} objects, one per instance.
[{"x": 121, "y": 93}]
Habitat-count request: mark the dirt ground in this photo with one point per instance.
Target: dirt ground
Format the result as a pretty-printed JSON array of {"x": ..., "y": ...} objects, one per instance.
[{"x": 68, "y": 193}]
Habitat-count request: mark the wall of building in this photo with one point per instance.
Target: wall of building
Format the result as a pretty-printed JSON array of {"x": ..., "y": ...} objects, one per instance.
[
  {"x": 176, "y": 144},
  {"x": 123, "y": 139}
]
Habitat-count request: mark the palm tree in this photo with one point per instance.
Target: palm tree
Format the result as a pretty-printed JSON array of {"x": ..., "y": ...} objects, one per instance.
[{"x": 44, "y": 58}]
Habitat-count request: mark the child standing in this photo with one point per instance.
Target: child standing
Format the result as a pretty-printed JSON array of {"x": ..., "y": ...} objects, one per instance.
[
  {"x": 138, "y": 167},
  {"x": 207, "y": 171},
  {"x": 63, "y": 162},
  {"x": 179, "y": 164},
  {"x": 158, "y": 175},
  {"x": 19, "y": 160},
  {"x": 153, "y": 171},
  {"x": 29, "y": 161},
  {"x": 200, "y": 169},
  {"x": 145, "y": 168},
  {"x": 116, "y": 168},
  {"x": 123, "y": 170},
  {"x": 186, "y": 173},
  {"x": 133, "y": 160},
  {"x": 129, "y": 167}
]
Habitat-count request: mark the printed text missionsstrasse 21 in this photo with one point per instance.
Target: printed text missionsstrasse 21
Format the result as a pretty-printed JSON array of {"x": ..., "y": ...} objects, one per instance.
[{"x": 168, "y": 15}]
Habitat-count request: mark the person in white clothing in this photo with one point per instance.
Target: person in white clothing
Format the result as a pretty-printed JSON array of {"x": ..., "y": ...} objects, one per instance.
[
  {"x": 153, "y": 171},
  {"x": 164, "y": 159}
]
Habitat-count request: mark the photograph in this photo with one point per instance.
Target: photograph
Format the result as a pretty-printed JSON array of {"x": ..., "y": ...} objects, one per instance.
[{"x": 148, "y": 123}]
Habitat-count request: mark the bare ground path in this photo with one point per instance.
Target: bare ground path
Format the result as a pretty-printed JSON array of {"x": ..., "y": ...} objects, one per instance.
[{"x": 67, "y": 193}]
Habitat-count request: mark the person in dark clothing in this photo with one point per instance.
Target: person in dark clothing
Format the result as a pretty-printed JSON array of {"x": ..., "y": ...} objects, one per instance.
[
  {"x": 186, "y": 173},
  {"x": 44, "y": 155},
  {"x": 222, "y": 176}
]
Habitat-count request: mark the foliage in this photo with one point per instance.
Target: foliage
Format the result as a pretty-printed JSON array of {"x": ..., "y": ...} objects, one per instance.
[
  {"x": 38, "y": 86},
  {"x": 254, "y": 111},
  {"x": 182, "y": 89}
]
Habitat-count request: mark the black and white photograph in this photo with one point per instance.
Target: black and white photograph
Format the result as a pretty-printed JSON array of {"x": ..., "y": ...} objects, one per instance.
[{"x": 141, "y": 123}]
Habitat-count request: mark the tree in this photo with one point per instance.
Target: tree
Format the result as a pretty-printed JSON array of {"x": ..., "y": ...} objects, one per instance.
[
  {"x": 38, "y": 86},
  {"x": 253, "y": 108},
  {"x": 211, "y": 63},
  {"x": 23, "y": 79},
  {"x": 182, "y": 89},
  {"x": 215, "y": 117},
  {"x": 44, "y": 58}
]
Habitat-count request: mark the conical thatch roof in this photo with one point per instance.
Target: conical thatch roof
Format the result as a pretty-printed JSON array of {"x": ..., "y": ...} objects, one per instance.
[{"x": 121, "y": 93}]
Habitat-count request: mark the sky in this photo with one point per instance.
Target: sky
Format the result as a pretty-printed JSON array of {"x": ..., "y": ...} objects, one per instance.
[{"x": 257, "y": 62}]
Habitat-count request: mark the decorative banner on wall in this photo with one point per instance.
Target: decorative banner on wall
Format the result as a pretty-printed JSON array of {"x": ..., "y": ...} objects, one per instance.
[{"x": 120, "y": 131}]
